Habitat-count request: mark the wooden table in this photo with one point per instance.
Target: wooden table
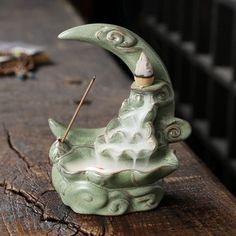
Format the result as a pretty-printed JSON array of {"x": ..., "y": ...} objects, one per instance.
[{"x": 195, "y": 202}]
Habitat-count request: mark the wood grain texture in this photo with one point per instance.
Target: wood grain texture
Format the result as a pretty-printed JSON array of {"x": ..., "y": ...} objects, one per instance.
[{"x": 195, "y": 202}]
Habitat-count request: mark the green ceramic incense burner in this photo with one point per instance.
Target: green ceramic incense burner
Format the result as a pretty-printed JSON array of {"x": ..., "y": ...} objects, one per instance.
[{"x": 120, "y": 168}]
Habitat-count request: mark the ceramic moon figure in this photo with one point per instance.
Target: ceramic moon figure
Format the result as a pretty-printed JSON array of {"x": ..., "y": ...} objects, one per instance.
[{"x": 120, "y": 168}]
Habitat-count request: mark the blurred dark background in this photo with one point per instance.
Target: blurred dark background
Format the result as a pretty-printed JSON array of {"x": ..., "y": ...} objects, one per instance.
[{"x": 195, "y": 39}]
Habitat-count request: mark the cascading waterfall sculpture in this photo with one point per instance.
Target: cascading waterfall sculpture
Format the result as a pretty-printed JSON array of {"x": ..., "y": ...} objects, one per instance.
[{"x": 120, "y": 168}]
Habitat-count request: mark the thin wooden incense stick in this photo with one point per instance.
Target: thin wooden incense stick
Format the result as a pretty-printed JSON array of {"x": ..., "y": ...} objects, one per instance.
[{"x": 78, "y": 108}]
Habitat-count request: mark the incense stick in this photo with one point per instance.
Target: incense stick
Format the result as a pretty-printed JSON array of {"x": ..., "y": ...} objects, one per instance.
[{"x": 78, "y": 108}]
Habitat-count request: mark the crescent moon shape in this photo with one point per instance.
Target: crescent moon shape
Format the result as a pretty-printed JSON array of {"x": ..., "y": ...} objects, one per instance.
[
  {"x": 128, "y": 46},
  {"x": 120, "y": 41}
]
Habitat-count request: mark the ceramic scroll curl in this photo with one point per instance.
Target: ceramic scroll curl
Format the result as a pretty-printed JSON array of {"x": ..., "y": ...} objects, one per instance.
[
  {"x": 177, "y": 130},
  {"x": 164, "y": 95},
  {"x": 119, "y": 39},
  {"x": 86, "y": 197},
  {"x": 173, "y": 133}
]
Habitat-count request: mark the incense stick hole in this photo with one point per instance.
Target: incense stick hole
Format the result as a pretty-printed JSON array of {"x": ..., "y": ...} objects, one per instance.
[
  {"x": 86, "y": 102},
  {"x": 73, "y": 81}
]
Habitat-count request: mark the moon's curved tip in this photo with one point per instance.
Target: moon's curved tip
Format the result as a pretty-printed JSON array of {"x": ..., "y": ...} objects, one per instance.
[
  {"x": 63, "y": 35},
  {"x": 71, "y": 33},
  {"x": 75, "y": 33}
]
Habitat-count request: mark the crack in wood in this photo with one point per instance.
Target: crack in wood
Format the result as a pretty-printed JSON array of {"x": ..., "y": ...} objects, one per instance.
[
  {"x": 13, "y": 148},
  {"x": 48, "y": 191},
  {"x": 38, "y": 208}
]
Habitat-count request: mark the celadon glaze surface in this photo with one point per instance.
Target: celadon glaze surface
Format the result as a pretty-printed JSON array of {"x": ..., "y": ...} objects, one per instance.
[{"x": 120, "y": 168}]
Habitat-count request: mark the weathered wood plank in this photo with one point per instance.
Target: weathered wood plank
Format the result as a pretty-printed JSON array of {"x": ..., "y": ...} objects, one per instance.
[{"x": 195, "y": 202}]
